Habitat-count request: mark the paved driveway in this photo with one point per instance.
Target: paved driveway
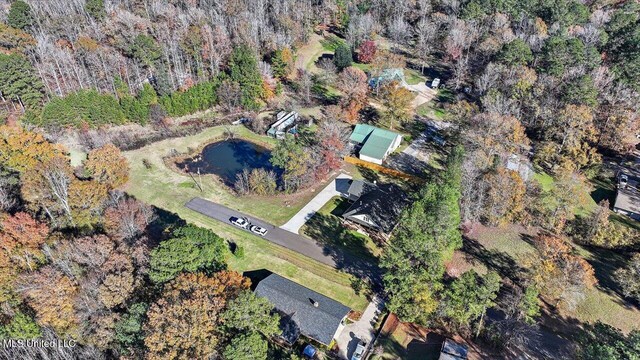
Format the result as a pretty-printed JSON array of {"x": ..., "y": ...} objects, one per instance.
[
  {"x": 338, "y": 187},
  {"x": 287, "y": 239},
  {"x": 362, "y": 329}
]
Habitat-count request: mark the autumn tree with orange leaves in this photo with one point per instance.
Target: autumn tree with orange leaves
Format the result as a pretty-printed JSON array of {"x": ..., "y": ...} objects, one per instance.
[
  {"x": 107, "y": 166},
  {"x": 20, "y": 239},
  {"x": 353, "y": 84},
  {"x": 558, "y": 273},
  {"x": 51, "y": 294},
  {"x": 185, "y": 322},
  {"x": 21, "y": 150}
]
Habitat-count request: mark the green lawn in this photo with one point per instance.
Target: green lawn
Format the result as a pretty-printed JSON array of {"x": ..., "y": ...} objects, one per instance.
[
  {"x": 170, "y": 190},
  {"x": 363, "y": 67},
  {"x": 429, "y": 110},
  {"x": 413, "y": 77},
  {"x": 331, "y": 43},
  {"x": 504, "y": 248}
]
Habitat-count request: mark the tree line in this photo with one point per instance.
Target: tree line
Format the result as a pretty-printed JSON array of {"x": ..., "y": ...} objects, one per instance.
[{"x": 80, "y": 260}]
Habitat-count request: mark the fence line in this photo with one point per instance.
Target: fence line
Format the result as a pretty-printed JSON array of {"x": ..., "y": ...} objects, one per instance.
[{"x": 382, "y": 169}]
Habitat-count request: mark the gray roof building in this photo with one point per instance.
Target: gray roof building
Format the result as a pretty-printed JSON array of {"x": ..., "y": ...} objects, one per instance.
[
  {"x": 303, "y": 311},
  {"x": 376, "y": 206},
  {"x": 628, "y": 198}
]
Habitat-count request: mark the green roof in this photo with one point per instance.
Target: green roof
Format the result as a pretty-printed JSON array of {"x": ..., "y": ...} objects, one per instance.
[{"x": 375, "y": 141}]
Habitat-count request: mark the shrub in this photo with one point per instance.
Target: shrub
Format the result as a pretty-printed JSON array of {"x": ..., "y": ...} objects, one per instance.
[{"x": 239, "y": 252}]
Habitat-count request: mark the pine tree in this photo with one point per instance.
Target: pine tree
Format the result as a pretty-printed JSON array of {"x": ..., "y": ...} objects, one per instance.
[{"x": 243, "y": 67}]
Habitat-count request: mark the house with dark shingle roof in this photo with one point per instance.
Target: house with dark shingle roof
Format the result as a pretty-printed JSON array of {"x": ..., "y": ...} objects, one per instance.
[
  {"x": 374, "y": 143},
  {"x": 302, "y": 310},
  {"x": 375, "y": 206}
]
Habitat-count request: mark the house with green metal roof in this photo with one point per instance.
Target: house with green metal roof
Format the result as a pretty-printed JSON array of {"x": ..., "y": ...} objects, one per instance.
[
  {"x": 387, "y": 76},
  {"x": 374, "y": 144}
]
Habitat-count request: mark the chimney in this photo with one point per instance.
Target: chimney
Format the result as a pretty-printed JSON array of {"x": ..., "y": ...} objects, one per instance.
[{"x": 375, "y": 182}]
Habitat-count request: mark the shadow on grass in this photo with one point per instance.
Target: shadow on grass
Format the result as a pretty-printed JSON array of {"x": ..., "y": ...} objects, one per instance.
[
  {"x": 605, "y": 262},
  {"x": 347, "y": 248},
  {"x": 495, "y": 260}
]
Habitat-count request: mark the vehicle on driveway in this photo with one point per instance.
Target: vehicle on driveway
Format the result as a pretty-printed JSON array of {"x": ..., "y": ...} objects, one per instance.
[
  {"x": 623, "y": 180},
  {"x": 258, "y": 230},
  {"x": 242, "y": 223},
  {"x": 357, "y": 354}
]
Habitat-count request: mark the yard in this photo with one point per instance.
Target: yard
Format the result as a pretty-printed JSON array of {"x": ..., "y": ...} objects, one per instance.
[
  {"x": 502, "y": 249},
  {"x": 170, "y": 190},
  {"x": 326, "y": 226}
]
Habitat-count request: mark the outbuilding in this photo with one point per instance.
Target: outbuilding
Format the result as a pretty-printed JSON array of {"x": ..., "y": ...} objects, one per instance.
[{"x": 374, "y": 144}]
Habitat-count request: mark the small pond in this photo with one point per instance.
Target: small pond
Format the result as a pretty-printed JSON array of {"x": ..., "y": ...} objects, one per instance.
[{"x": 228, "y": 158}]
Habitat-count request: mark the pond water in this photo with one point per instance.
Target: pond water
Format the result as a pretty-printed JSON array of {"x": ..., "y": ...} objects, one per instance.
[{"x": 228, "y": 158}]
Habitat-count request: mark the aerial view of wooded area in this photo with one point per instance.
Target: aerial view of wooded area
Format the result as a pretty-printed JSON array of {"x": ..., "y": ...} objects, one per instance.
[{"x": 320, "y": 179}]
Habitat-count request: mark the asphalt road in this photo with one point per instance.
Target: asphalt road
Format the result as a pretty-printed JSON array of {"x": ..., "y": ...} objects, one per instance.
[{"x": 276, "y": 235}]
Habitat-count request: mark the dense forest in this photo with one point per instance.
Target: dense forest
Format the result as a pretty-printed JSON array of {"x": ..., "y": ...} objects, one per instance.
[{"x": 553, "y": 81}]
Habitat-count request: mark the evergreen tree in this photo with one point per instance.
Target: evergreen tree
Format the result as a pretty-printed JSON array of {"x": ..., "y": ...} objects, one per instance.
[
  {"x": 516, "y": 52},
  {"x": 243, "y": 67},
  {"x": 95, "y": 8},
  {"x": 20, "y": 16},
  {"x": 250, "y": 346},
  {"x": 18, "y": 81},
  {"x": 343, "y": 57},
  {"x": 191, "y": 249},
  {"x": 128, "y": 330},
  {"x": 85, "y": 106},
  {"x": 427, "y": 233}
]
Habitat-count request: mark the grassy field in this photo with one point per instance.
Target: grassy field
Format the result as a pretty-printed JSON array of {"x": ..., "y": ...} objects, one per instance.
[
  {"x": 170, "y": 190},
  {"x": 308, "y": 54},
  {"x": 165, "y": 187},
  {"x": 502, "y": 249}
]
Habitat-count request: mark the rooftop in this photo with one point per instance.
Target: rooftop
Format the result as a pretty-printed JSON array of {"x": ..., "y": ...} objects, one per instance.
[
  {"x": 381, "y": 204},
  {"x": 628, "y": 197},
  {"x": 376, "y": 141},
  {"x": 300, "y": 315}
]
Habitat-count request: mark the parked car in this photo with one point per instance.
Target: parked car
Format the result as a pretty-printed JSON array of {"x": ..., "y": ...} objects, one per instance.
[
  {"x": 240, "y": 222},
  {"x": 435, "y": 83},
  {"x": 357, "y": 354},
  {"x": 258, "y": 230}
]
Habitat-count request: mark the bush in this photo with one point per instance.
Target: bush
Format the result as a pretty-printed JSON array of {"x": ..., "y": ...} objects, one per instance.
[
  {"x": 239, "y": 252},
  {"x": 257, "y": 181},
  {"x": 85, "y": 106}
]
